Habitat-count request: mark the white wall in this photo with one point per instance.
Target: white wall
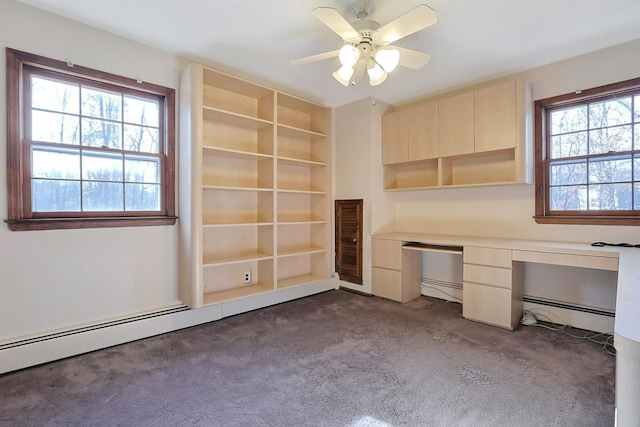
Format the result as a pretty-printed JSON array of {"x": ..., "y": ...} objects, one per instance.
[
  {"x": 358, "y": 175},
  {"x": 57, "y": 279}
]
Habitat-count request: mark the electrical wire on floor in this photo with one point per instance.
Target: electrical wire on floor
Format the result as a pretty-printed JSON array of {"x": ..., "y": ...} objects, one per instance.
[
  {"x": 605, "y": 339},
  {"x": 454, "y": 298}
]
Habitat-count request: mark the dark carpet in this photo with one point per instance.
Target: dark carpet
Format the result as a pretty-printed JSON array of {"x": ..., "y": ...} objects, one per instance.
[{"x": 333, "y": 359}]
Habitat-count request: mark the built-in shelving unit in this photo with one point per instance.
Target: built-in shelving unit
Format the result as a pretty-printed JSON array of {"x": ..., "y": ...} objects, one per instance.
[
  {"x": 254, "y": 189},
  {"x": 479, "y": 136}
]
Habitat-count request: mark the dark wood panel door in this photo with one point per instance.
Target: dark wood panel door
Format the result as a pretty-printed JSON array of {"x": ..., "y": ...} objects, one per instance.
[{"x": 349, "y": 240}]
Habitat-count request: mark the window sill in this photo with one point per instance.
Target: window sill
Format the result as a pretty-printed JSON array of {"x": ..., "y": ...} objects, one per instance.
[
  {"x": 76, "y": 223},
  {"x": 588, "y": 220}
]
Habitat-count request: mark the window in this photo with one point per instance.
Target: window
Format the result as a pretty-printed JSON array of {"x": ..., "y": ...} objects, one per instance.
[
  {"x": 588, "y": 156},
  {"x": 86, "y": 148}
]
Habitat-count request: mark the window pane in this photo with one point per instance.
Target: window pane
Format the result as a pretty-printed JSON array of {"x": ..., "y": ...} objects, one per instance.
[
  {"x": 50, "y": 163},
  {"x": 610, "y": 140},
  {"x": 636, "y": 107},
  {"x": 610, "y": 113},
  {"x": 636, "y": 131},
  {"x": 610, "y": 197},
  {"x": 54, "y": 95},
  {"x": 142, "y": 170},
  {"x": 54, "y": 127},
  {"x": 611, "y": 170},
  {"x": 636, "y": 168},
  {"x": 569, "y": 198},
  {"x": 55, "y": 195},
  {"x": 568, "y": 173},
  {"x": 569, "y": 120},
  {"x": 636, "y": 196},
  {"x": 143, "y": 139},
  {"x": 101, "y": 196},
  {"x": 141, "y": 111},
  {"x": 100, "y": 133},
  {"x": 101, "y": 104},
  {"x": 569, "y": 145},
  {"x": 101, "y": 166},
  {"x": 142, "y": 197}
]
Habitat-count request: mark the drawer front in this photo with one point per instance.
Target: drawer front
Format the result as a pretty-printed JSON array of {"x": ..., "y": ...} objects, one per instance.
[
  {"x": 487, "y": 275},
  {"x": 386, "y": 283},
  {"x": 387, "y": 253},
  {"x": 487, "y": 256},
  {"x": 487, "y": 304}
]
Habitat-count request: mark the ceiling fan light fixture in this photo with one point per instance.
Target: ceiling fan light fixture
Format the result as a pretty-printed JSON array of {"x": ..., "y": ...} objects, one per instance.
[
  {"x": 388, "y": 59},
  {"x": 343, "y": 75},
  {"x": 349, "y": 55},
  {"x": 376, "y": 75}
]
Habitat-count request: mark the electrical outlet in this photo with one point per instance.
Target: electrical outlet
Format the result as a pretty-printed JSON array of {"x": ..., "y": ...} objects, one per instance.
[{"x": 247, "y": 277}]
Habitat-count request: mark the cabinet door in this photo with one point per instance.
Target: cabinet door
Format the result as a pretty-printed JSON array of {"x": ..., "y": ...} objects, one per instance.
[
  {"x": 394, "y": 138},
  {"x": 487, "y": 304},
  {"x": 422, "y": 131},
  {"x": 455, "y": 119},
  {"x": 386, "y": 253},
  {"x": 386, "y": 283},
  {"x": 495, "y": 117}
]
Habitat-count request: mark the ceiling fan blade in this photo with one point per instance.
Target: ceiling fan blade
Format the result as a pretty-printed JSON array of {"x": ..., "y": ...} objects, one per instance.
[
  {"x": 332, "y": 19},
  {"x": 415, "y": 20},
  {"x": 412, "y": 58},
  {"x": 313, "y": 58}
]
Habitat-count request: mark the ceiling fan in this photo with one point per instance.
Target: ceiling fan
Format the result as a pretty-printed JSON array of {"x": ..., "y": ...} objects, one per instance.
[{"x": 368, "y": 45}]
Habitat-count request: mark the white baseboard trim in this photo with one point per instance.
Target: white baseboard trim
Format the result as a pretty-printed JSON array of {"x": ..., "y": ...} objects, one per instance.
[
  {"x": 578, "y": 319},
  {"x": 24, "y": 352}
]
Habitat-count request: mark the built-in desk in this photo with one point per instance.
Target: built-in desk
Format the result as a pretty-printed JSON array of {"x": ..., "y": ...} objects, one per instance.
[{"x": 493, "y": 285}]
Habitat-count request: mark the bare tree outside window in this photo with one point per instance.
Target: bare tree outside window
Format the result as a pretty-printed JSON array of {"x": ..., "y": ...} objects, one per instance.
[
  {"x": 588, "y": 156},
  {"x": 97, "y": 148}
]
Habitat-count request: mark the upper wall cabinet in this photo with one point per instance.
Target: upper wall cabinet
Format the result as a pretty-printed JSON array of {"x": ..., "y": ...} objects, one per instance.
[
  {"x": 495, "y": 117},
  {"x": 410, "y": 134},
  {"x": 482, "y": 136},
  {"x": 456, "y": 125}
]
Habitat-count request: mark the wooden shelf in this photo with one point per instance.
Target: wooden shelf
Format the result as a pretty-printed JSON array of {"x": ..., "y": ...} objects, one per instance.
[
  {"x": 223, "y": 187},
  {"x": 304, "y": 134},
  {"x": 235, "y": 224},
  {"x": 234, "y": 259},
  {"x": 299, "y": 251},
  {"x": 302, "y": 222},
  {"x": 234, "y": 119},
  {"x": 299, "y": 280},
  {"x": 300, "y": 162},
  {"x": 235, "y": 154},
  {"x": 231, "y": 294},
  {"x": 291, "y": 191}
]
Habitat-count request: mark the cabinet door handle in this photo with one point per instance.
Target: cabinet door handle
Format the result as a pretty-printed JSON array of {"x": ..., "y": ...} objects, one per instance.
[{"x": 354, "y": 240}]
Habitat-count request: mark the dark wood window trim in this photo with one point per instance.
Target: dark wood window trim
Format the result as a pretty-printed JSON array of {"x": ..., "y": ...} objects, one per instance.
[
  {"x": 21, "y": 219},
  {"x": 543, "y": 215}
]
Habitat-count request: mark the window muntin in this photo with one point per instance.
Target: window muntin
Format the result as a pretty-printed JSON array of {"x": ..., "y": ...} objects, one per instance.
[
  {"x": 86, "y": 145},
  {"x": 589, "y": 155}
]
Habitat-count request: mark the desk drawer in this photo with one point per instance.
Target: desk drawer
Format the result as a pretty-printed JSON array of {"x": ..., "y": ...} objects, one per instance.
[
  {"x": 487, "y": 304},
  {"x": 487, "y": 256},
  {"x": 386, "y": 283},
  {"x": 386, "y": 253},
  {"x": 493, "y": 276}
]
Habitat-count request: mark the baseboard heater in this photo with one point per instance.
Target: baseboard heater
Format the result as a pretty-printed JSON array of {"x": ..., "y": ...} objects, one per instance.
[
  {"x": 93, "y": 327},
  {"x": 564, "y": 305}
]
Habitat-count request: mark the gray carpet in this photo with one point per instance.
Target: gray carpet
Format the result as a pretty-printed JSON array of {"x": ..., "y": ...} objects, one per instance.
[{"x": 333, "y": 359}]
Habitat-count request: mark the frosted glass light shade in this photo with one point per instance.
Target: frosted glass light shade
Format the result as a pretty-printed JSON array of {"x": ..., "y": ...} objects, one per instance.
[
  {"x": 388, "y": 59},
  {"x": 376, "y": 75},
  {"x": 349, "y": 55},
  {"x": 343, "y": 75}
]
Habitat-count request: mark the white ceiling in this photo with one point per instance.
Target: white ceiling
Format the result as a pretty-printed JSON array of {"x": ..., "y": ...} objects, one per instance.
[{"x": 473, "y": 40}]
